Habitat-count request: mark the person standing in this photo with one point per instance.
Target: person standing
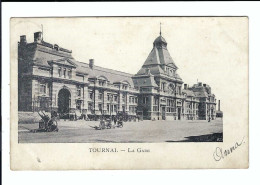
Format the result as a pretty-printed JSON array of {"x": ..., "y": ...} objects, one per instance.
[{"x": 115, "y": 120}]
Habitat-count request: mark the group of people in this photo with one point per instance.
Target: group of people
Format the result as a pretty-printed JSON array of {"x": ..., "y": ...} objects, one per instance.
[{"x": 118, "y": 120}]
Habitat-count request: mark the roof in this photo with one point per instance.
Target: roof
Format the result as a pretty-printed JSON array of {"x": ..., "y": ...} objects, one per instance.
[
  {"x": 159, "y": 56},
  {"x": 201, "y": 94},
  {"x": 160, "y": 39},
  {"x": 154, "y": 70},
  {"x": 188, "y": 92},
  {"x": 145, "y": 81},
  {"x": 112, "y": 75},
  {"x": 43, "y": 56}
]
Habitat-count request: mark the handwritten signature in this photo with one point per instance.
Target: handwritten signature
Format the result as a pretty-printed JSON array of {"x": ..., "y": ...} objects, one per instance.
[{"x": 221, "y": 154}]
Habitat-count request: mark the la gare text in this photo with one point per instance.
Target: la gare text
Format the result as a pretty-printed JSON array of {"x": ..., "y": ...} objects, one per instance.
[{"x": 115, "y": 150}]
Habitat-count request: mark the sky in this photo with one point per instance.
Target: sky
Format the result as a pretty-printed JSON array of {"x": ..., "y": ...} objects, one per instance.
[{"x": 211, "y": 50}]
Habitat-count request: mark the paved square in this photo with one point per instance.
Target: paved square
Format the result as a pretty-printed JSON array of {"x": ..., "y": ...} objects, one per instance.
[{"x": 134, "y": 132}]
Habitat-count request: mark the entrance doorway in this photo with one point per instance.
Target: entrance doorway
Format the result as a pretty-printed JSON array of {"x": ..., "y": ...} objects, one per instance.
[{"x": 64, "y": 101}]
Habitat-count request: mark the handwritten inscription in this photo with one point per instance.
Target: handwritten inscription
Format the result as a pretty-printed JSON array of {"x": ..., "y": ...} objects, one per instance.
[{"x": 220, "y": 154}]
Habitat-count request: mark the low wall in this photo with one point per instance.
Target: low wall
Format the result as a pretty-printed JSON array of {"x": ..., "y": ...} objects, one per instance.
[{"x": 28, "y": 117}]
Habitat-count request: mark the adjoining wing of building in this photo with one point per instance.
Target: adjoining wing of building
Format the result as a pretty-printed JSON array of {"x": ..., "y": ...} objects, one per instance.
[{"x": 49, "y": 78}]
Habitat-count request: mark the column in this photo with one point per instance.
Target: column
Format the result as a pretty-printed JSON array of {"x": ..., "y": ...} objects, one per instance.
[
  {"x": 151, "y": 105},
  {"x": 105, "y": 102}
]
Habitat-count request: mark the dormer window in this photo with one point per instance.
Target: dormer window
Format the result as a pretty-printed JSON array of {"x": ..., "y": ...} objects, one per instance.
[
  {"x": 56, "y": 47},
  {"x": 101, "y": 83},
  {"x": 69, "y": 73}
]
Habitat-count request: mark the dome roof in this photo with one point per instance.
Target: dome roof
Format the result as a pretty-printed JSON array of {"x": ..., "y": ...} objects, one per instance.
[{"x": 159, "y": 39}]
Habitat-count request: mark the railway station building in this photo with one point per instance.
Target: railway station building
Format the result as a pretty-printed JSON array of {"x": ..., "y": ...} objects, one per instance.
[{"x": 49, "y": 78}]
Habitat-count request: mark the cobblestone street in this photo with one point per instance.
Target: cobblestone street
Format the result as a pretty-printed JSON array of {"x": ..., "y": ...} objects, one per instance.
[{"x": 143, "y": 131}]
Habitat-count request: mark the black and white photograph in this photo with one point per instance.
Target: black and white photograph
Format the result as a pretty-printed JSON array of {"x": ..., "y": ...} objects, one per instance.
[
  {"x": 116, "y": 92},
  {"x": 116, "y": 80}
]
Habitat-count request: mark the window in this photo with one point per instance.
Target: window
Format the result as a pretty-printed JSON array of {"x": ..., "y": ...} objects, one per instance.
[
  {"x": 64, "y": 72},
  {"x": 115, "y": 98},
  {"x": 101, "y": 83},
  {"x": 108, "y": 97},
  {"x": 123, "y": 97},
  {"x": 163, "y": 86},
  {"x": 156, "y": 101},
  {"x": 56, "y": 47},
  {"x": 108, "y": 108},
  {"x": 100, "y": 107},
  {"x": 59, "y": 71},
  {"x": 69, "y": 73},
  {"x": 100, "y": 96},
  {"x": 90, "y": 106},
  {"x": 79, "y": 91},
  {"x": 115, "y": 108},
  {"x": 78, "y": 105},
  {"x": 145, "y": 100},
  {"x": 43, "y": 88},
  {"x": 90, "y": 95}
]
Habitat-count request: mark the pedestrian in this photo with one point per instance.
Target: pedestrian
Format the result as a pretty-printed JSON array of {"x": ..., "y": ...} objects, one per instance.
[
  {"x": 102, "y": 123},
  {"x": 115, "y": 119}
]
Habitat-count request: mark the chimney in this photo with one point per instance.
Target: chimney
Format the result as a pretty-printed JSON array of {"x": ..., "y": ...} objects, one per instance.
[
  {"x": 38, "y": 36},
  {"x": 218, "y": 105},
  {"x": 91, "y": 63},
  {"x": 185, "y": 86},
  {"x": 23, "y": 39},
  {"x": 147, "y": 71},
  {"x": 200, "y": 84},
  {"x": 204, "y": 85}
]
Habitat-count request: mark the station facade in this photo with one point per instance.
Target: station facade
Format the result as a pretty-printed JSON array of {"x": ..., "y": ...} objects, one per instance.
[{"x": 49, "y": 78}]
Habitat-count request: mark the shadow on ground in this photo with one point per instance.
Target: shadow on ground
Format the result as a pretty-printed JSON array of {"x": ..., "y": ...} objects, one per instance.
[{"x": 215, "y": 137}]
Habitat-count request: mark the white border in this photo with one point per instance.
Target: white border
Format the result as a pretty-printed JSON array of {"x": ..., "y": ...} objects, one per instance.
[{"x": 136, "y": 9}]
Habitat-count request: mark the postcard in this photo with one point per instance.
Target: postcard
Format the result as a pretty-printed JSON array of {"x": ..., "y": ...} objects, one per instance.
[{"x": 129, "y": 93}]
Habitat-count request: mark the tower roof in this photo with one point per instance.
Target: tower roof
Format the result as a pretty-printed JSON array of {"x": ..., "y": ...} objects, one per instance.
[
  {"x": 160, "y": 39},
  {"x": 159, "y": 54}
]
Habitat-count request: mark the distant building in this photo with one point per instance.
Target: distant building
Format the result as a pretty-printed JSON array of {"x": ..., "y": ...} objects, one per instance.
[{"x": 49, "y": 78}]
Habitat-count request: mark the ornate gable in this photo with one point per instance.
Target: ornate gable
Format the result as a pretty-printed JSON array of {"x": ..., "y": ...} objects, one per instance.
[{"x": 63, "y": 62}]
